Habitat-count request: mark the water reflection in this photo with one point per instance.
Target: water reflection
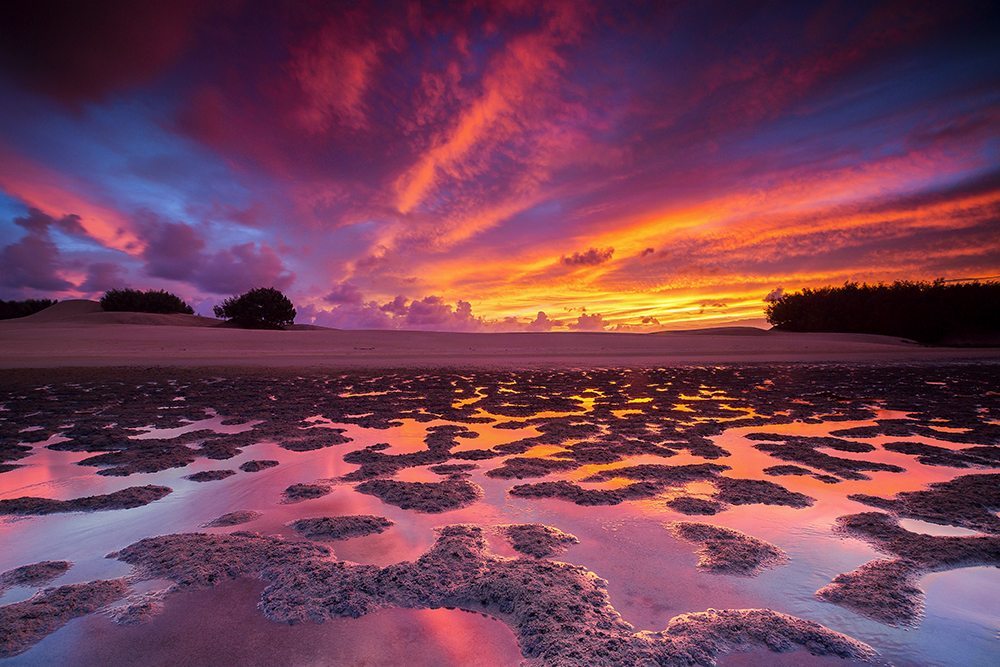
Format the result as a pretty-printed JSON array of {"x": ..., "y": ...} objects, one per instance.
[{"x": 637, "y": 418}]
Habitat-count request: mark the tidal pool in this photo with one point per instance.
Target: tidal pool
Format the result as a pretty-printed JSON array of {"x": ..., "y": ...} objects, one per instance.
[{"x": 778, "y": 453}]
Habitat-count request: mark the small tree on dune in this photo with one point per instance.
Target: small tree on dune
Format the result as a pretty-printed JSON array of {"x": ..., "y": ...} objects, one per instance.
[{"x": 260, "y": 308}]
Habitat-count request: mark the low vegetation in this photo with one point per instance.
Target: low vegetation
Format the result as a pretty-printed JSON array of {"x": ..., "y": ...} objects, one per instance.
[
  {"x": 928, "y": 312},
  {"x": 150, "y": 301},
  {"x": 260, "y": 308},
  {"x": 11, "y": 309}
]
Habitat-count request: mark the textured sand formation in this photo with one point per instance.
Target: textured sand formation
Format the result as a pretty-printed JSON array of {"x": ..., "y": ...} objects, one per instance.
[
  {"x": 257, "y": 466},
  {"x": 211, "y": 475},
  {"x": 299, "y": 492},
  {"x": 134, "y": 496},
  {"x": 560, "y": 613},
  {"x": 798, "y": 449},
  {"x": 534, "y": 539},
  {"x": 971, "y": 502},
  {"x": 35, "y": 574},
  {"x": 234, "y": 519},
  {"x": 617, "y": 422},
  {"x": 25, "y": 623},
  {"x": 886, "y": 590},
  {"x": 728, "y": 551},
  {"x": 695, "y": 506},
  {"x": 652, "y": 479},
  {"x": 430, "y": 497},
  {"x": 982, "y": 456},
  {"x": 340, "y": 527},
  {"x": 600, "y": 436}
]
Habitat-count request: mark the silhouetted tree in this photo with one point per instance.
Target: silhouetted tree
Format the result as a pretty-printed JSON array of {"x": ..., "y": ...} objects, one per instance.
[
  {"x": 11, "y": 309},
  {"x": 927, "y": 312},
  {"x": 150, "y": 301},
  {"x": 260, "y": 308}
]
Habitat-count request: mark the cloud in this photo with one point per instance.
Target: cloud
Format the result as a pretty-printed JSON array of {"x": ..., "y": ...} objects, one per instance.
[
  {"x": 80, "y": 52},
  {"x": 588, "y": 322},
  {"x": 541, "y": 323},
  {"x": 102, "y": 276},
  {"x": 333, "y": 68},
  {"x": 590, "y": 257},
  {"x": 344, "y": 293},
  {"x": 173, "y": 250},
  {"x": 34, "y": 261},
  {"x": 39, "y": 222},
  {"x": 177, "y": 251},
  {"x": 431, "y": 313},
  {"x": 774, "y": 295},
  {"x": 242, "y": 267}
]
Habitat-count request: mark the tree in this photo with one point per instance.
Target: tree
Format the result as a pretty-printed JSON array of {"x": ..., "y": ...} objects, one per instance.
[
  {"x": 260, "y": 308},
  {"x": 150, "y": 301},
  {"x": 11, "y": 309},
  {"x": 928, "y": 312}
]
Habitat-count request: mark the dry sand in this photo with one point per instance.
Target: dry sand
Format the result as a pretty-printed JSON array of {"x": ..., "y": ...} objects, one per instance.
[{"x": 78, "y": 333}]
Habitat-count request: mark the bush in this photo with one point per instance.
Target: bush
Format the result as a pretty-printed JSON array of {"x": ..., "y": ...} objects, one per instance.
[
  {"x": 150, "y": 301},
  {"x": 925, "y": 312},
  {"x": 11, "y": 309},
  {"x": 260, "y": 308}
]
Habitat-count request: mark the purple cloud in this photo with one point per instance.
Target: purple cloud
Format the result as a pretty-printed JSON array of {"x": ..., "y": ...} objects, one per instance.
[{"x": 590, "y": 257}]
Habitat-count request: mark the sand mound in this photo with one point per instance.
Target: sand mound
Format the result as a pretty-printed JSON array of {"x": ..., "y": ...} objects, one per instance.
[
  {"x": 85, "y": 311},
  {"x": 719, "y": 331},
  {"x": 64, "y": 310}
]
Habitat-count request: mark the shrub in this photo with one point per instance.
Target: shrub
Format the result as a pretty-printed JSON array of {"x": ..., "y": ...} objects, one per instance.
[
  {"x": 926, "y": 312},
  {"x": 260, "y": 308},
  {"x": 150, "y": 301},
  {"x": 11, "y": 309}
]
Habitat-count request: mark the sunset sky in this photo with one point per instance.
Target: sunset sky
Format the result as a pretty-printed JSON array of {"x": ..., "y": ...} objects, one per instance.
[{"x": 497, "y": 165}]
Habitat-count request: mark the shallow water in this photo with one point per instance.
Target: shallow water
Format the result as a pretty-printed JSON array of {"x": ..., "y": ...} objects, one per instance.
[{"x": 651, "y": 575}]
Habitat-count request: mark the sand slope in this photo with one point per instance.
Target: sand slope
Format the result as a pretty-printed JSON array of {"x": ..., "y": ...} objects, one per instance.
[
  {"x": 68, "y": 335},
  {"x": 84, "y": 312}
]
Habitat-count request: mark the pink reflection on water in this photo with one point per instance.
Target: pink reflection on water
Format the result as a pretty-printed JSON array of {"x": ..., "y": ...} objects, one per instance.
[{"x": 651, "y": 574}]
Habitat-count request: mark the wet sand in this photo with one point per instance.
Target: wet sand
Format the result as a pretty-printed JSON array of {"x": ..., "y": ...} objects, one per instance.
[{"x": 638, "y": 439}]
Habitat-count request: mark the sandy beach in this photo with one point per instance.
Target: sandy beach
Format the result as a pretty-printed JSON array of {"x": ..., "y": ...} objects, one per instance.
[{"x": 77, "y": 333}]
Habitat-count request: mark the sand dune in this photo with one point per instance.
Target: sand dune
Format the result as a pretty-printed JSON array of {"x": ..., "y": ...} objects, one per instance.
[
  {"x": 68, "y": 335},
  {"x": 83, "y": 312}
]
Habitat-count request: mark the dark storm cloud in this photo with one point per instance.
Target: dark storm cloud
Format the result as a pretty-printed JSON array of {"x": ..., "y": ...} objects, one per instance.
[{"x": 82, "y": 51}]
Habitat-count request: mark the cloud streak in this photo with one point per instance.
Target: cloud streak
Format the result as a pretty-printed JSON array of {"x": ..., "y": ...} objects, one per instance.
[{"x": 497, "y": 166}]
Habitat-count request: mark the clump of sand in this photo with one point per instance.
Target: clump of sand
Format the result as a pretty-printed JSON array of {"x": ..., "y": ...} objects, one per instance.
[
  {"x": 429, "y": 497},
  {"x": 561, "y": 613},
  {"x": 535, "y": 539},
  {"x": 211, "y": 475},
  {"x": 26, "y": 623},
  {"x": 341, "y": 527},
  {"x": 299, "y": 492},
  {"x": 258, "y": 465},
  {"x": 133, "y": 496},
  {"x": 886, "y": 590},
  {"x": 971, "y": 501},
  {"x": 234, "y": 519},
  {"x": 35, "y": 574},
  {"x": 728, "y": 551}
]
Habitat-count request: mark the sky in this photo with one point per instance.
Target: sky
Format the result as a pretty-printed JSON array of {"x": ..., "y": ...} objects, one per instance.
[{"x": 497, "y": 166}]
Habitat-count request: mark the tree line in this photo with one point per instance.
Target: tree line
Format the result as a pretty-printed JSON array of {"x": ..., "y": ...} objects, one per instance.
[{"x": 928, "y": 312}]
